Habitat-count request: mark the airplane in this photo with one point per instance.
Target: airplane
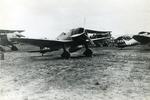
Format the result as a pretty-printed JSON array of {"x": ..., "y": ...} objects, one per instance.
[
  {"x": 5, "y": 36},
  {"x": 143, "y": 38},
  {"x": 125, "y": 41},
  {"x": 101, "y": 43},
  {"x": 73, "y": 41}
]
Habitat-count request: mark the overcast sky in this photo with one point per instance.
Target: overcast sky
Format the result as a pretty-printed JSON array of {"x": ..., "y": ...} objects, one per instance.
[{"x": 48, "y": 18}]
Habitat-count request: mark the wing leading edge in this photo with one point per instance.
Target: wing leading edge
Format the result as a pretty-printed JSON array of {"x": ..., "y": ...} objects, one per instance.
[{"x": 43, "y": 42}]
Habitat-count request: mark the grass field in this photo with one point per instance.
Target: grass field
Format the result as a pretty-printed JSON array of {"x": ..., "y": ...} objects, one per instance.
[{"x": 111, "y": 74}]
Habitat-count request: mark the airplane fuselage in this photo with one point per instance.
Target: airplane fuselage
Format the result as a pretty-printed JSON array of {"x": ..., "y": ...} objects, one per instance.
[{"x": 142, "y": 38}]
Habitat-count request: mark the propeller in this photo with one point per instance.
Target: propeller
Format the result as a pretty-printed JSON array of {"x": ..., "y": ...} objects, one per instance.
[{"x": 89, "y": 39}]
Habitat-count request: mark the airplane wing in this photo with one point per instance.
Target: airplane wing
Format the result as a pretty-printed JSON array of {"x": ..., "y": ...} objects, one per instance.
[
  {"x": 10, "y": 31},
  {"x": 94, "y": 31},
  {"x": 43, "y": 42}
]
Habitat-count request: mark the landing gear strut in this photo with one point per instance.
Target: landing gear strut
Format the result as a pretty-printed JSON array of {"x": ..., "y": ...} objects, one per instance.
[
  {"x": 88, "y": 52},
  {"x": 42, "y": 51},
  {"x": 65, "y": 54}
]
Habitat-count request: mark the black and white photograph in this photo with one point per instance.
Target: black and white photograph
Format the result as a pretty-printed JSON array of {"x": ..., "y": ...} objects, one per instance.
[{"x": 74, "y": 49}]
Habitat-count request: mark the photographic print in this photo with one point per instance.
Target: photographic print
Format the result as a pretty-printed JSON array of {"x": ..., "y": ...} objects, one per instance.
[{"x": 74, "y": 50}]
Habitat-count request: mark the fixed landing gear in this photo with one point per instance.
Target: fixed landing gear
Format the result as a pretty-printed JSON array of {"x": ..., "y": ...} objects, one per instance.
[
  {"x": 42, "y": 54},
  {"x": 88, "y": 53},
  {"x": 14, "y": 48},
  {"x": 42, "y": 51},
  {"x": 65, "y": 54}
]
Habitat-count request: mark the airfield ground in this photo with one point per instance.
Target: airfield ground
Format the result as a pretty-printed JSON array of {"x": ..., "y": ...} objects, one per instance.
[{"x": 111, "y": 74}]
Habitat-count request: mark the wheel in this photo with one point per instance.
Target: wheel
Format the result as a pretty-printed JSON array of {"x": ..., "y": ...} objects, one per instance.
[
  {"x": 88, "y": 53},
  {"x": 65, "y": 55},
  {"x": 14, "y": 48}
]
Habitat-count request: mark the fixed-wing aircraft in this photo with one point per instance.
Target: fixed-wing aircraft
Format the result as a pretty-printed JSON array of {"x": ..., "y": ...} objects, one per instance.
[
  {"x": 125, "y": 41},
  {"x": 101, "y": 34},
  {"x": 143, "y": 38},
  {"x": 69, "y": 42},
  {"x": 5, "y": 40}
]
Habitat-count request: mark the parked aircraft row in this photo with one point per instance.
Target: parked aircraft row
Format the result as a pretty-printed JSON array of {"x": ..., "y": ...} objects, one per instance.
[{"x": 72, "y": 41}]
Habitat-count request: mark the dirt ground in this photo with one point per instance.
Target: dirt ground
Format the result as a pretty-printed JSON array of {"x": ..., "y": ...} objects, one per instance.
[{"x": 111, "y": 74}]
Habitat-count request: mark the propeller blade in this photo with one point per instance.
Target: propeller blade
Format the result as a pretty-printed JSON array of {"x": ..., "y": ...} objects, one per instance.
[{"x": 91, "y": 42}]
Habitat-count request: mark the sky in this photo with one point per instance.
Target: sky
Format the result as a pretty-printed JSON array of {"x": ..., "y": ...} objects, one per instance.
[{"x": 49, "y": 18}]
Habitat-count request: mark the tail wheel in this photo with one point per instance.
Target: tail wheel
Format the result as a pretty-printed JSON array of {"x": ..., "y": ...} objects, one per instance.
[
  {"x": 14, "y": 48},
  {"x": 88, "y": 53},
  {"x": 65, "y": 55}
]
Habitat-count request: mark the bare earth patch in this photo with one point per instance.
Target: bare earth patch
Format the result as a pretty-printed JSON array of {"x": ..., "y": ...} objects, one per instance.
[{"x": 108, "y": 75}]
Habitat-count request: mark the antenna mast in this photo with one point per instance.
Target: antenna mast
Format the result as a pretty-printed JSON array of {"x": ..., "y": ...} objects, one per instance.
[{"x": 84, "y": 22}]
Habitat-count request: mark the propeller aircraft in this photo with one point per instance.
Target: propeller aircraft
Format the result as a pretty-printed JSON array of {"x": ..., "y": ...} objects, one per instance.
[{"x": 69, "y": 42}]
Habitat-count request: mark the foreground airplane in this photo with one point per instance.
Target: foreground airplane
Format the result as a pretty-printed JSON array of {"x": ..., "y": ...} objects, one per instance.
[
  {"x": 5, "y": 36},
  {"x": 74, "y": 40},
  {"x": 125, "y": 41}
]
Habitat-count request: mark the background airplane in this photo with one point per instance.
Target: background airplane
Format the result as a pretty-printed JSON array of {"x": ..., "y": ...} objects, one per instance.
[
  {"x": 5, "y": 38},
  {"x": 125, "y": 41},
  {"x": 69, "y": 42},
  {"x": 100, "y": 34},
  {"x": 143, "y": 38}
]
